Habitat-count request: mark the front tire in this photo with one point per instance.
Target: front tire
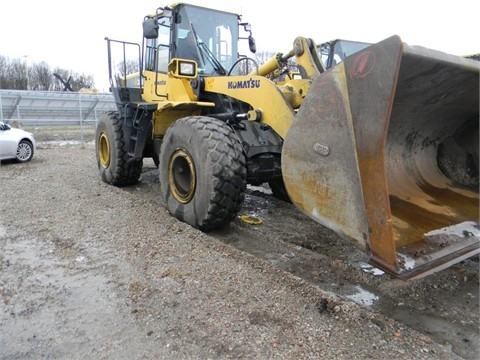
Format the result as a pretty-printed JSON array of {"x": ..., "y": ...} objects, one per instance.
[
  {"x": 116, "y": 167},
  {"x": 278, "y": 189},
  {"x": 202, "y": 172},
  {"x": 24, "y": 151}
]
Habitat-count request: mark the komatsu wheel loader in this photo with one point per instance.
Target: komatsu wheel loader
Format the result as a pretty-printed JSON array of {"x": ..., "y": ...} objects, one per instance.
[{"x": 382, "y": 147}]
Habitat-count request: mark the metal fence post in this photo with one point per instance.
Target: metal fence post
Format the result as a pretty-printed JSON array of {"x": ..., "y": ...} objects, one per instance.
[
  {"x": 81, "y": 115},
  {"x": 1, "y": 108},
  {"x": 18, "y": 112}
]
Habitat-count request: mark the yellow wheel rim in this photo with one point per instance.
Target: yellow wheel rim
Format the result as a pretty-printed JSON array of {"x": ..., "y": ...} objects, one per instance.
[
  {"x": 181, "y": 176},
  {"x": 104, "y": 150},
  {"x": 251, "y": 220}
]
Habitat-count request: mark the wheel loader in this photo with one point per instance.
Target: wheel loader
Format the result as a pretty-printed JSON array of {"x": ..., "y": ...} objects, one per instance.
[{"x": 381, "y": 147}]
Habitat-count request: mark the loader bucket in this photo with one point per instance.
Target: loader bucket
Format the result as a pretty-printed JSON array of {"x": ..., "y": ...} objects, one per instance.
[{"x": 384, "y": 151}]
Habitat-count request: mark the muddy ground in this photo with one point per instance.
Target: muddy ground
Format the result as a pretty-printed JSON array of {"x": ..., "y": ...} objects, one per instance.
[{"x": 89, "y": 270}]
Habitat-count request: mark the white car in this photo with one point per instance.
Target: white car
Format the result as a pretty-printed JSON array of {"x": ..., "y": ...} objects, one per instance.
[{"x": 16, "y": 144}]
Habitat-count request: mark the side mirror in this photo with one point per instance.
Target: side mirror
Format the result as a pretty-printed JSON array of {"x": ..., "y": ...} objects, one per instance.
[
  {"x": 252, "y": 44},
  {"x": 150, "y": 28},
  {"x": 251, "y": 41}
]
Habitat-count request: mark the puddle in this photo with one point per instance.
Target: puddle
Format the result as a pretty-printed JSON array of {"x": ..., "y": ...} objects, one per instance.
[
  {"x": 363, "y": 297},
  {"x": 371, "y": 269},
  {"x": 49, "y": 301},
  {"x": 465, "y": 342}
]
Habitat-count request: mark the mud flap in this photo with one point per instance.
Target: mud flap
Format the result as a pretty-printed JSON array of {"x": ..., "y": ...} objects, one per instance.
[{"x": 384, "y": 151}]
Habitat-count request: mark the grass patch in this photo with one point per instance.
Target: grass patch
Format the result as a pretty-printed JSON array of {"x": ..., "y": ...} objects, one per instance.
[{"x": 83, "y": 133}]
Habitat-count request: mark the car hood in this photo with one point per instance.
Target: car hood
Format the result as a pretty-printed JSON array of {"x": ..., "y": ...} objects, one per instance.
[{"x": 20, "y": 132}]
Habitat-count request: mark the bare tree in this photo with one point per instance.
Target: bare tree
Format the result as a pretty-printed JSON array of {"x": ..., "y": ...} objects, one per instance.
[
  {"x": 127, "y": 67},
  {"x": 40, "y": 77},
  {"x": 82, "y": 81},
  {"x": 14, "y": 74},
  {"x": 17, "y": 71},
  {"x": 3, "y": 72}
]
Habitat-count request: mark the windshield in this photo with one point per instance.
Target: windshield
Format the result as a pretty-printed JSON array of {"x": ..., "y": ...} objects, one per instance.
[
  {"x": 4, "y": 126},
  {"x": 341, "y": 50},
  {"x": 207, "y": 36},
  {"x": 346, "y": 48}
]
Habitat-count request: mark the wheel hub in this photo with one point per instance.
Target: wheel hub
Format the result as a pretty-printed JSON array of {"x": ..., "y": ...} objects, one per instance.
[
  {"x": 182, "y": 176},
  {"x": 23, "y": 152},
  {"x": 104, "y": 150}
]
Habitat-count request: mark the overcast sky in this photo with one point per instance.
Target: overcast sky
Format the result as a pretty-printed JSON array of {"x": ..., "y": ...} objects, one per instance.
[{"x": 71, "y": 34}]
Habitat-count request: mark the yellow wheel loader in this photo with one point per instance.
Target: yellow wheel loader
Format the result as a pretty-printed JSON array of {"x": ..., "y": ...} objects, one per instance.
[{"x": 380, "y": 146}]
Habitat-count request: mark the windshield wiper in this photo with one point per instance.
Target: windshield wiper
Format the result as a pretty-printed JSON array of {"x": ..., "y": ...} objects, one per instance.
[{"x": 205, "y": 52}]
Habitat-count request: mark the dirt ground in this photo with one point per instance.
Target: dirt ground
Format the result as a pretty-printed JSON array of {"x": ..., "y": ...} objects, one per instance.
[{"x": 88, "y": 270}]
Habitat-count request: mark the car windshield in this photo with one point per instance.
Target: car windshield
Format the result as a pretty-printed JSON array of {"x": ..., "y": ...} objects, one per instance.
[{"x": 4, "y": 126}]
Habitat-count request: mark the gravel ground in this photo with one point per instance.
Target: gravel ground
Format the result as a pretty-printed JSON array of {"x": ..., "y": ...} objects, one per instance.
[{"x": 93, "y": 271}]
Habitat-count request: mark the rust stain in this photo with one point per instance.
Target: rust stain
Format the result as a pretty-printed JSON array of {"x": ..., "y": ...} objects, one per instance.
[
  {"x": 377, "y": 208},
  {"x": 421, "y": 220}
]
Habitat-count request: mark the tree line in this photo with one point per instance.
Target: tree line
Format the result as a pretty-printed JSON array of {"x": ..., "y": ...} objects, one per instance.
[{"x": 15, "y": 74}]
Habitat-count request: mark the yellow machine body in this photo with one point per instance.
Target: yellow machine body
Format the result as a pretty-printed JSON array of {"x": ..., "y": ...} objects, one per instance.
[{"x": 382, "y": 148}]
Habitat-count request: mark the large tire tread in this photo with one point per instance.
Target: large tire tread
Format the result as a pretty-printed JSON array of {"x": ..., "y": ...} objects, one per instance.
[
  {"x": 123, "y": 169},
  {"x": 278, "y": 190},
  {"x": 225, "y": 161}
]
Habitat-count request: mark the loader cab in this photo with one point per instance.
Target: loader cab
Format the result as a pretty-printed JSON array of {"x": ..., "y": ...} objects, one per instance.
[
  {"x": 334, "y": 52},
  {"x": 208, "y": 37}
]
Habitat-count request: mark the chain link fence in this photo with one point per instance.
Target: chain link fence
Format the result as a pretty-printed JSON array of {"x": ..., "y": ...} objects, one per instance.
[{"x": 55, "y": 116}]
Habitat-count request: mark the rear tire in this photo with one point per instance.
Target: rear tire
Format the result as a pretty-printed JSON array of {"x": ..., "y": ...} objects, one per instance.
[
  {"x": 116, "y": 167},
  {"x": 202, "y": 172}
]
